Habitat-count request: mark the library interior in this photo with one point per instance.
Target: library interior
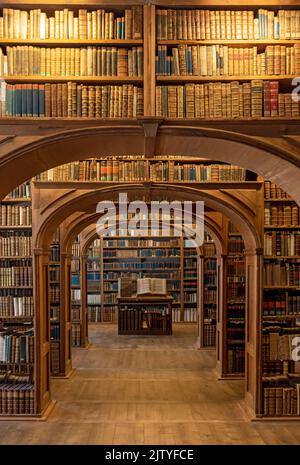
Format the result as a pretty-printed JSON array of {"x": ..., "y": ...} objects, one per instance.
[{"x": 144, "y": 335}]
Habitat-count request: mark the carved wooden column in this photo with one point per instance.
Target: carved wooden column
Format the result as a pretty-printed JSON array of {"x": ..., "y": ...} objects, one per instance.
[
  {"x": 66, "y": 305},
  {"x": 42, "y": 329},
  {"x": 200, "y": 291},
  {"x": 84, "y": 342},
  {"x": 254, "y": 304},
  {"x": 221, "y": 313}
]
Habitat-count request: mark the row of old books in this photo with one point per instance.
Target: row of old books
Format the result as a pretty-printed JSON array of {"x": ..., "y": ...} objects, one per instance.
[
  {"x": 75, "y": 245},
  {"x": 15, "y": 276},
  {"x": 109, "y": 314},
  {"x": 209, "y": 249},
  {"x": 55, "y": 253},
  {"x": 20, "y": 192},
  {"x": 17, "y": 346},
  {"x": 15, "y": 244},
  {"x": 72, "y": 100},
  {"x": 86, "y": 61},
  {"x": 55, "y": 332},
  {"x": 110, "y": 299},
  {"x": 54, "y": 273},
  {"x": 54, "y": 313},
  {"x": 130, "y": 320},
  {"x": 141, "y": 170},
  {"x": 93, "y": 299},
  {"x": 253, "y": 99},
  {"x": 223, "y": 60},
  {"x": 282, "y": 345},
  {"x": 190, "y": 314},
  {"x": 54, "y": 293},
  {"x": 281, "y": 303},
  {"x": 227, "y": 24},
  {"x": 236, "y": 311},
  {"x": 140, "y": 242},
  {"x": 210, "y": 265},
  {"x": 236, "y": 359},
  {"x": 170, "y": 171},
  {"x": 75, "y": 295},
  {"x": 273, "y": 367},
  {"x": 236, "y": 291},
  {"x": 16, "y": 398},
  {"x": 236, "y": 267},
  {"x": 68, "y": 24},
  {"x": 16, "y": 306},
  {"x": 190, "y": 262},
  {"x": 190, "y": 274},
  {"x": 282, "y": 273},
  {"x": 94, "y": 314},
  {"x": 54, "y": 357},
  {"x": 281, "y": 214},
  {"x": 272, "y": 191},
  {"x": 76, "y": 334},
  {"x": 172, "y": 263},
  {"x": 141, "y": 253},
  {"x": 235, "y": 245},
  {"x": 176, "y": 315},
  {"x": 210, "y": 311},
  {"x": 111, "y": 286},
  {"x": 15, "y": 215},
  {"x": 281, "y": 400},
  {"x": 210, "y": 295},
  {"x": 209, "y": 280},
  {"x": 190, "y": 297},
  {"x": 209, "y": 335},
  {"x": 286, "y": 243}
]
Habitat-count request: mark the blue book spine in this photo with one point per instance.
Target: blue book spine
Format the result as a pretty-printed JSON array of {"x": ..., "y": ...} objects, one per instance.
[
  {"x": 24, "y": 100},
  {"x": 8, "y": 101},
  {"x": 35, "y": 100},
  {"x": 123, "y": 28},
  {"x": 29, "y": 99},
  {"x": 41, "y": 100},
  {"x": 18, "y": 100}
]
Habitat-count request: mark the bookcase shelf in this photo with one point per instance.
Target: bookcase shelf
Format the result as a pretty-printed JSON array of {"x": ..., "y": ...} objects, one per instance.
[
  {"x": 17, "y": 308},
  {"x": 192, "y": 78},
  {"x": 235, "y": 43},
  {"x": 71, "y": 42},
  {"x": 87, "y": 79}
]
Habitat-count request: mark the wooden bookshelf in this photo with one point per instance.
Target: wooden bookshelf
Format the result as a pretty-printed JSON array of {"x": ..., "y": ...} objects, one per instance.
[
  {"x": 148, "y": 82},
  {"x": 17, "y": 309},
  {"x": 281, "y": 300},
  {"x": 208, "y": 294}
]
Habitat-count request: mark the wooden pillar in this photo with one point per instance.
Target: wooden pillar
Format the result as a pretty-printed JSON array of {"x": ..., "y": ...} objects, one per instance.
[
  {"x": 84, "y": 342},
  {"x": 254, "y": 304},
  {"x": 65, "y": 319},
  {"x": 200, "y": 299},
  {"x": 221, "y": 313},
  {"x": 42, "y": 329}
]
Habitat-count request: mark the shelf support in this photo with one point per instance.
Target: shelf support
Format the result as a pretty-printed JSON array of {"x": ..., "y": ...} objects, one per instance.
[{"x": 150, "y": 126}]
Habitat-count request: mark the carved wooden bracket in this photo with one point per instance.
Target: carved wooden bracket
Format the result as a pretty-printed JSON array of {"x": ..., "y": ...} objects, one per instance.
[{"x": 150, "y": 126}]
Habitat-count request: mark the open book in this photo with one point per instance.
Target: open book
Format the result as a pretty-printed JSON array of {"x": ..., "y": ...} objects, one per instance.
[{"x": 151, "y": 286}]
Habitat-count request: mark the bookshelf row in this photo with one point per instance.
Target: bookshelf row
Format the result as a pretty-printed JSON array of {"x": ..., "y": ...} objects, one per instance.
[
  {"x": 171, "y": 24},
  {"x": 281, "y": 305},
  {"x": 113, "y": 169},
  {"x": 53, "y": 62}
]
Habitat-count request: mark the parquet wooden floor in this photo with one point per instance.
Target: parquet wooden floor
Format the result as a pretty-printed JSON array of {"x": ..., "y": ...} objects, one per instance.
[{"x": 153, "y": 390}]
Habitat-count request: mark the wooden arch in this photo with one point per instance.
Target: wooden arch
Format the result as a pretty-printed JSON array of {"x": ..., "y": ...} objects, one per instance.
[
  {"x": 240, "y": 209},
  {"x": 274, "y": 152}
]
